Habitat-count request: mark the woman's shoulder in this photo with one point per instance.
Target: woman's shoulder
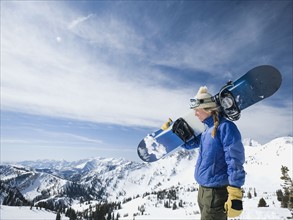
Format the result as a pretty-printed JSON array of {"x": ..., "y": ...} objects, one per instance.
[{"x": 226, "y": 124}]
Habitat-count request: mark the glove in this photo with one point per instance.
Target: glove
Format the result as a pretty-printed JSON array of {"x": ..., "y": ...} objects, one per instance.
[
  {"x": 233, "y": 206},
  {"x": 183, "y": 130},
  {"x": 167, "y": 124}
]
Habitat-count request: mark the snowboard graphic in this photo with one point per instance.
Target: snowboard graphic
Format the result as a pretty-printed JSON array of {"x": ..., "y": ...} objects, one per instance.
[{"x": 254, "y": 86}]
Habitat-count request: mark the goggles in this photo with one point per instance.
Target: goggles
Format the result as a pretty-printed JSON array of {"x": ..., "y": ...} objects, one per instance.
[{"x": 197, "y": 102}]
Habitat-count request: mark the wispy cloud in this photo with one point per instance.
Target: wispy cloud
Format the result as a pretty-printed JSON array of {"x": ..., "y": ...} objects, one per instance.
[
  {"x": 44, "y": 137},
  {"x": 42, "y": 77},
  {"x": 264, "y": 123},
  {"x": 214, "y": 46},
  {"x": 62, "y": 62},
  {"x": 109, "y": 34},
  {"x": 79, "y": 20}
]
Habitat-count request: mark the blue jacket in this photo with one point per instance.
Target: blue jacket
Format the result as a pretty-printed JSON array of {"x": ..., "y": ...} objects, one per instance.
[{"x": 220, "y": 160}]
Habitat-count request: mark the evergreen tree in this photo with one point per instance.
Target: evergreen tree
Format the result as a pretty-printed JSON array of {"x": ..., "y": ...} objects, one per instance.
[
  {"x": 249, "y": 195},
  {"x": 254, "y": 192},
  {"x": 58, "y": 216},
  {"x": 70, "y": 213},
  {"x": 287, "y": 200},
  {"x": 166, "y": 204},
  {"x": 109, "y": 216},
  {"x": 174, "y": 206},
  {"x": 262, "y": 203},
  {"x": 141, "y": 209},
  {"x": 279, "y": 195}
]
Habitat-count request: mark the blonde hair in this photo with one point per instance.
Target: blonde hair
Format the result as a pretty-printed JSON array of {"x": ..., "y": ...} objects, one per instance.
[
  {"x": 215, "y": 113},
  {"x": 216, "y": 122}
]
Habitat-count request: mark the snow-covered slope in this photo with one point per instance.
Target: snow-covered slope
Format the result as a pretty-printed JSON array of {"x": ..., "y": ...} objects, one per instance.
[
  {"x": 263, "y": 163},
  {"x": 30, "y": 182},
  {"x": 263, "y": 167},
  {"x": 140, "y": 184},
  {"x": 20, "y": 213}
]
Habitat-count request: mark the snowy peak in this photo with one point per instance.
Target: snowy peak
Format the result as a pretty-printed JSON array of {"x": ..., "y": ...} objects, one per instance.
[
  {"x": 115, "y": 180},
  {"x": 263, "y": 164},
  {"x": 250, "y": 142},
  {"x": 279, "y": 149},
  {"x": 29, "y": 182}
]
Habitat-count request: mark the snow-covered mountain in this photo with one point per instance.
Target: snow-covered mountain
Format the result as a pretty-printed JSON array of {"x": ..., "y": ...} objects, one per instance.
[
  {"x": 110, "y": 178},
  {"x": 140, "y": 184},
  {"x": 250, "y": 142}
]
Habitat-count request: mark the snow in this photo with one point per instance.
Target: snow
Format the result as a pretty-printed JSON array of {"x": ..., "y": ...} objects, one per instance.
[
  {"x": 191, "y": 211},
  {"x": 263, "y": 167},
  {"x": 264, "y": 163},
  {"x": 273, "y": 212},
  {"x": 127, "y": 179},
  {"x": 37, "y": 185},
  {"x": 25, "y": 213}
]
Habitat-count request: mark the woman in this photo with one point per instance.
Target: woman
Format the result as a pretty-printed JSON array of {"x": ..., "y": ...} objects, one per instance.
[{"x": 219, "y": 168}]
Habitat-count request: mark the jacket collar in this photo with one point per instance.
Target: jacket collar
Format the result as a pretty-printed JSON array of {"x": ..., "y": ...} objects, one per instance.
[{"x": 209, "y": 121}]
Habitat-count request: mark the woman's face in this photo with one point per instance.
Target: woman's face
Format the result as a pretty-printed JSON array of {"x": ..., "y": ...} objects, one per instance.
[{"x": 202, "y": 114}]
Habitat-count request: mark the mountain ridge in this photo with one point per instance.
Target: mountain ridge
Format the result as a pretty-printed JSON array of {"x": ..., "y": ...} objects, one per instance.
[{"x": 112, "y": 179}]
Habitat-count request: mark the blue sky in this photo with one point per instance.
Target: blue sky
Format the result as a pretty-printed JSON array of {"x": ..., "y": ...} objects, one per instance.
[{"x": 82, "y": 79}]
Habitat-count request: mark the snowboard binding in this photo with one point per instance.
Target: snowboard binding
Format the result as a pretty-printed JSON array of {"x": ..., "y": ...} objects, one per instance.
[
  {"x": 227, "y": 102},
  {"x": 183, "y": 130}
]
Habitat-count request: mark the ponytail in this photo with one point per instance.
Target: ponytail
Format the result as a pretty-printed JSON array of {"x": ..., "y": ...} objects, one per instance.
[
  {"x": 215, "y": 113},
  {"x": 216, "y": 122}
]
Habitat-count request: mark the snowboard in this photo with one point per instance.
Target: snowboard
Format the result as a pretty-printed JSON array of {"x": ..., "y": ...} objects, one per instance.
[{"x": 254, "y": 86}]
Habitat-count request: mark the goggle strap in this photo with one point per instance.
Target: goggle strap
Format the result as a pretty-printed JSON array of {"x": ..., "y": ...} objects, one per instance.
[{"x": 196, "y": 102}]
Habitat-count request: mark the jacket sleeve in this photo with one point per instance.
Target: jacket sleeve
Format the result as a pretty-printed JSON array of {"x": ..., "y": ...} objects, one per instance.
[
  {"x": 234, "y": 153},
  {"x": 192, "y": 144}
]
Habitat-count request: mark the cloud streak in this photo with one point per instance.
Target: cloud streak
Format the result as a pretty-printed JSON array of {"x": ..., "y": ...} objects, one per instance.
[
  {"x": 78, "y": 21},
  {"x": 66, "y": 82},
  {"x": 61, "y": 62},
  {"x": 264, "y": 123}
]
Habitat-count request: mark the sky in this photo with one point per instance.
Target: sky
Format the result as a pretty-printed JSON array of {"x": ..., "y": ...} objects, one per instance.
[{"x": 83, "y": 79}]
